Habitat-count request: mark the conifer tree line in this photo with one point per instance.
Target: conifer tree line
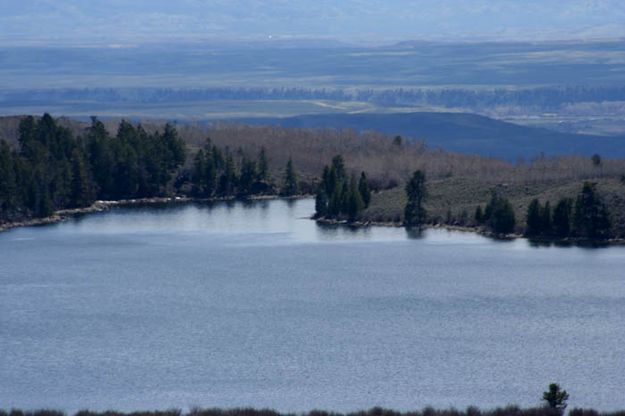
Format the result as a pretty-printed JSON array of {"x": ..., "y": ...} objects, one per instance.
[
  {"x": 53, "y": 170},
  {"x": 218, "y": 173},
  {"x": 498, "y": 215},
  {"x": 339, "y": 195},
  {"x": 586, "y": 217}
]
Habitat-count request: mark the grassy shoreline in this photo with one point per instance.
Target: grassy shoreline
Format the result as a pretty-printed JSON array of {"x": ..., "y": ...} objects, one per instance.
[
  {"x": 480, "y": 230},
  {"x": 100, "y": 206}
]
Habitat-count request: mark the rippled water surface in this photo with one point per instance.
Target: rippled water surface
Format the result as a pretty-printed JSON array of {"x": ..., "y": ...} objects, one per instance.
[{"x": 236, "y": 305}]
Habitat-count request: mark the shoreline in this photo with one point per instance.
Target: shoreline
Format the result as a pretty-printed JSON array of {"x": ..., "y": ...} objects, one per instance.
[
  {"x": 101, "y": 205},
  {"x": 480, "y": 231}
]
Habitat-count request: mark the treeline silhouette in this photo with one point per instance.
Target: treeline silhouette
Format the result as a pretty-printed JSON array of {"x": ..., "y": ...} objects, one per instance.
[
  {"x": 215, "y": 173},
  {"x": 471, "y": 411},
  {"x": 53, "y": 170},
  {"x": 547, "y": 98},
  {"x": 339, "y": 195},
  {"x": 498, "y": 215},
  {"x": 586, "y": 217}
]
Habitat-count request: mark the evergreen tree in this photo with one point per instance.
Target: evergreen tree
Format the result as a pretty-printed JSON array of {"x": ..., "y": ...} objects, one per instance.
[
  {"x": 101, "y": 158},
  {"x": 263, "y": 166},
  {"x": 228, "y": 178},
  {"x": 354, "y": 202},
  {"x": 335, "y": 204},
  {"x": 198, "y": 176},
  {"x": 338, "y": 163},
  {"x": 174, "y": 152},
  {"x": 562, "y": 218},
  {"x": 329, "y": 179},
  {"x": 534, "y": 219},
  {"x": 8, "y": 181},
  {"x": 82, "y": 193},
  {"x": 555, "y": 397},
  {"x": 500, "y": 215},
  {"x": 414, "y": 212},
  {"x": 291, "y": 183},
  {"x": 591, "y": 218},
  {"x": 247, "y": 177},
  {"x": 546, "y": 222},
  {"x": 363, "y": 187},
  {"x": 321, "y": 202},
  {"x": 479, "y": 215}
]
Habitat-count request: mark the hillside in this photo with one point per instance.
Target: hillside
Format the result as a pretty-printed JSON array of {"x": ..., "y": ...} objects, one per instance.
[
  {"x": 457, "y": 182},
  {"x": 463, "y": 133},
  {"x": 453, "y": 201}
]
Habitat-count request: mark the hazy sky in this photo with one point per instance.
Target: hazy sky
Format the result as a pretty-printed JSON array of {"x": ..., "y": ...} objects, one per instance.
[{"x": 130, "y": 21}]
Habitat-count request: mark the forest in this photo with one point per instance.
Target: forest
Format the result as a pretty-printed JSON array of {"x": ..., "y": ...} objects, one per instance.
[{"x": 52, "y": 169}]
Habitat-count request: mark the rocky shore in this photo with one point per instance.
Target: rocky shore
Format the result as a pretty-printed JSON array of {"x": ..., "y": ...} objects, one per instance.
[{"x": 97, "y": 206}]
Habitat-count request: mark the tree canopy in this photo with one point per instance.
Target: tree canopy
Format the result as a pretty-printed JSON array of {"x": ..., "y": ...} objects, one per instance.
[{"x": 415, "y": 214}]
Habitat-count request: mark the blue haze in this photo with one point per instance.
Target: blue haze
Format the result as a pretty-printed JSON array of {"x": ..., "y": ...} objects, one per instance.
[{"x": 122, "y": 21}]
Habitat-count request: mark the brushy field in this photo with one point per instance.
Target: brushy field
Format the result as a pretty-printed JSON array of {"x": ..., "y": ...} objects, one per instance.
[{"x": 453, "y": 200}]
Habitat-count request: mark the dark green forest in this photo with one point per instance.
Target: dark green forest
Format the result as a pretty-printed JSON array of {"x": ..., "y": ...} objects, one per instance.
[
  {"x": 339, "y": 195},
  {"x": 586, "y": 216},
  {"x": 52, "y": 169}
]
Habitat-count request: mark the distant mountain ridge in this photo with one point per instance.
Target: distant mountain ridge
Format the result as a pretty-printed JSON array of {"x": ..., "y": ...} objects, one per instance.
[{"x": 462, "y": 132}]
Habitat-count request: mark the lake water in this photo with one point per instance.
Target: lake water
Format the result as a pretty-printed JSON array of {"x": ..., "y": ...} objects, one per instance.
[{"x": 236, "y": 305}]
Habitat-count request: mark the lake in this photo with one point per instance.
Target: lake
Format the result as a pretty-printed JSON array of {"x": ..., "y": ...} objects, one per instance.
[{"x": 254, "y": 304}]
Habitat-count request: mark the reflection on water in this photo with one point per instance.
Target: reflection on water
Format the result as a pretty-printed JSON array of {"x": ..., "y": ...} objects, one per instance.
[{"x": 253, "y": 304}]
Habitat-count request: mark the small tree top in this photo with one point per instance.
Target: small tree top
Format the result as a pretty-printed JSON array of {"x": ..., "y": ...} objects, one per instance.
[{"x": 555, "y": 397}]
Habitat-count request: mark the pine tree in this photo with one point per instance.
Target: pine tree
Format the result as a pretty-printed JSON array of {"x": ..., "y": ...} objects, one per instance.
[
  {"x": 555, "y": 397},
  {"x": 591, "y": 218},
  {"x": 8, "y": 180},
  {"x": 101, "y": 158},
  {"x": 263, "y": 166},
  {"x": 247, "y": 177},
  {"x": 198, "y": 175},
  {"x": 546, "y": 223},
  {"x": 500, "y": 215},
  {"x": 363, "y": 187},
  {"x": 291, "y": 183},
  {"x": 414, "y": 212},
  {"x": 228, "y": 178},
  {"x": 534, "y": 219},
  {"x": 562, "y": 218},
  {"x": 321, "y": 202},
  {"x": 338, "y": 163},
  {"x": 335, "y": 203},
  {"x": 355, "y": 203},
  {"x": 174, "y": 152},
  {"x": 82, "y": 193}
]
